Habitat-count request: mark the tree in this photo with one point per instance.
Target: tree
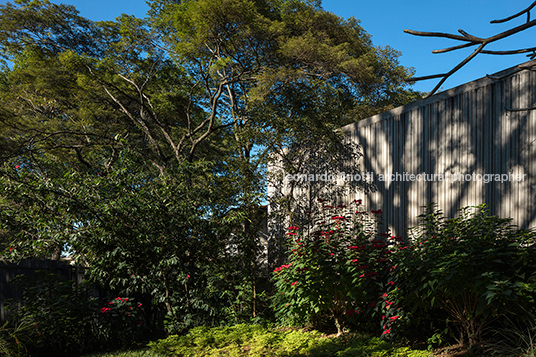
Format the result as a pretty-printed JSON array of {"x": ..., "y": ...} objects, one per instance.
[{"x": 226, "y": 82}]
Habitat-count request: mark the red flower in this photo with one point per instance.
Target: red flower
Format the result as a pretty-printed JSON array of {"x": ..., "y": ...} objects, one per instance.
[
  {"x": 140, "y": 304},
  {"x": 385, "y": 295},
  {"x": 104, "y": 309},
  {"x": 10, "y": 249},
  {"x": 294, "y": 283},
  {"x": 386, "y": 331},
  {"x": 276, "y": 270},
  {"x": 339, "y": 218},
  {"x": 394, "y": 318},
  {"x": 17, "y": 167},
  {"x": 291, "y": 234},
  {"x": 391, "y": 282}
]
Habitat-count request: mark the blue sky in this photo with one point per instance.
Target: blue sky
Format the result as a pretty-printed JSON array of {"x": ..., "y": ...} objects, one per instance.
[{"x": 385, "y": 20}]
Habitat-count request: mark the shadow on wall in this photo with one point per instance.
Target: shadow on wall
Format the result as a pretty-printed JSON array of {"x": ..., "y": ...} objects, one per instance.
[{"x": 473, "y": 144}]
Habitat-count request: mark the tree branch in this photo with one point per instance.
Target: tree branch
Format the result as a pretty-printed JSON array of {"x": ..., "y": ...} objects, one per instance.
[
  {"x": 527, "y": 11},
  {"x": 471, "y": 40}
]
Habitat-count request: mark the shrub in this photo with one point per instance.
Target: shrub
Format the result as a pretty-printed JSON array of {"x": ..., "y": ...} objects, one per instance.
[
  {"x": 57, "y": 315},
  {"x": 62, "y": 318},
  {"x": 338, "y": 268},
  {"x": 121, "y": 322},
  {"x": 10, "y": 346},
  {"x": 474, "y": 267},
  {"x": 514, "y": 338}
]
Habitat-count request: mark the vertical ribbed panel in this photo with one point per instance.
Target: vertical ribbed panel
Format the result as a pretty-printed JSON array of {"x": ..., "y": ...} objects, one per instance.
[{"x": 475, "y": 128}]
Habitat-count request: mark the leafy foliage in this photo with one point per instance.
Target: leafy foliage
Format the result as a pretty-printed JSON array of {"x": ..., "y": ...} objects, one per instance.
[
  {"x": 57, "y": 316},
  {"x": 156, "y": 238},
  {"x": 139, "y": 147},
  {"x": 121, "y": 321},
  {"x": 11, "y": 338},
  {"x": 514, "y": 338},
  {"x": 338, "y": 266},
  {"x": 475, "y": 267},
  {"x": 254, "y": 340}
]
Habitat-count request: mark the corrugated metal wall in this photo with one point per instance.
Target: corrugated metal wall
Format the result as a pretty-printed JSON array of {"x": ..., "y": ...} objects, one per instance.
[{"x": 476, "y": 128}]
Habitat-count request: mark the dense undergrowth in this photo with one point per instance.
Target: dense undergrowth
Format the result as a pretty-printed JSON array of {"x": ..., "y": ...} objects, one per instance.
[{"x": 467, "y": 281}]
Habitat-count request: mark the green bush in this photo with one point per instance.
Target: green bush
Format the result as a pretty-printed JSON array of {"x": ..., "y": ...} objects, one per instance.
[
  {"x": 10, "y": 346},
  {"x": 474, "y": 267},
  {"x": 57, "y": 315},
  {"x": 121, "y": 322},
  {"x": 62, "y": 318},
  {"x": 254, "y": 340},
  {"x": 339, "y": 269}
]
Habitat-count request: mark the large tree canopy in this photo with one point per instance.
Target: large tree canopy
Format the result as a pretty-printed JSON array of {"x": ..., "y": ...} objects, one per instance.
[
  {"x": 197, "y": 78},
  {"x": 110, "y": 129}
]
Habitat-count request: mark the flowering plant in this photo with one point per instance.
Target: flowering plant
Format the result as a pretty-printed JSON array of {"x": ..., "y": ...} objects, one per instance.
[
  {"x": 120, "y": 320},
  {"x": 338, "y": 267}
]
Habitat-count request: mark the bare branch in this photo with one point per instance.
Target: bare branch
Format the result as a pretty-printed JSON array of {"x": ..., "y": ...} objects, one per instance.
[
  {"x": 448, "y": 49},
  {"x": 471, "y": 40},
  {"x": 512, "y": 52},
  {"x": 423, "y": 78},
  {"x": 455, "y": 69},
  {"x": 527, "y": 11},
  {"x": 443, "y": 34}
]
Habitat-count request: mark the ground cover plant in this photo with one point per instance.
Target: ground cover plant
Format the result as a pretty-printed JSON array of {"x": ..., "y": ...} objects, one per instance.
[
  {"x": 131, "y": 353},
  {"x": 255, "y": 340}
]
